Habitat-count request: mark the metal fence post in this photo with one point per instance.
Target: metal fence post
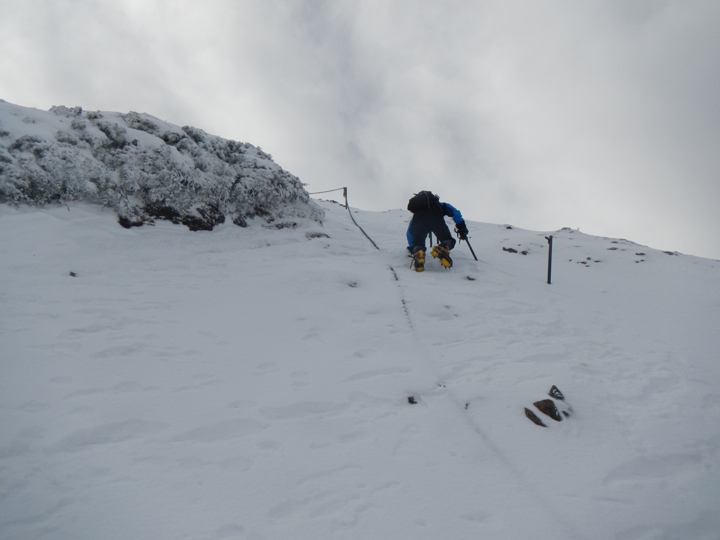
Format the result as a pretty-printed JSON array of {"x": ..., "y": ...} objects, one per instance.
[{"x": 549, "y": 273}]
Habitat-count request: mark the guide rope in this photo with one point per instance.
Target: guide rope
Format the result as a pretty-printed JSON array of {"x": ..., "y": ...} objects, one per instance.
[{"x": 345, "y": 190}]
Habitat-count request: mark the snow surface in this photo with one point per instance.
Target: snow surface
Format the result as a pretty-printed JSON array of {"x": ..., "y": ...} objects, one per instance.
[{"x": 255, "y": 383}]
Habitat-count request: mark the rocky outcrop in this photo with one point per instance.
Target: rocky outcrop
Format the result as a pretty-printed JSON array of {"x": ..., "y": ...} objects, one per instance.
[{"x": 143, "y": 168}]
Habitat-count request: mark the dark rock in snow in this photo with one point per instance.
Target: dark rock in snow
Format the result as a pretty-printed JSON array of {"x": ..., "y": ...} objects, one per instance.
[
  {"x": 556, "y": 408},
  {"x": 534, "y": 417},
  {"x": 548, "y": 408},
  {"x": 556, "y": 393}
]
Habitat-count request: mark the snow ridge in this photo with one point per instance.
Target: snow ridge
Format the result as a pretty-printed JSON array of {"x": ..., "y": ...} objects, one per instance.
[{"x": 143, "y": 168}]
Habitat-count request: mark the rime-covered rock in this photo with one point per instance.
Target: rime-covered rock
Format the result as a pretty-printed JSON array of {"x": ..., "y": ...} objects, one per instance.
[{"x": 143, "y": 168}]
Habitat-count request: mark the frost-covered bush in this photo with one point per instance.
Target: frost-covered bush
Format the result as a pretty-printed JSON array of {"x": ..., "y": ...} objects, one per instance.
[
  {"x": 37, "y": 171},
  {"x": 143, "y": 168}
]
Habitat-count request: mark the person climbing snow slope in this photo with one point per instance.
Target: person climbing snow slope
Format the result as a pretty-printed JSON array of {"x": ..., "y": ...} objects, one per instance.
[{"x": 429, "y": 215}]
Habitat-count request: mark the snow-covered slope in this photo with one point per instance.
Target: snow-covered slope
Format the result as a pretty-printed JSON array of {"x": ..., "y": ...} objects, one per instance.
[
  {"x": 143, "y": 168},
  {"x": 298, "y": 383}
]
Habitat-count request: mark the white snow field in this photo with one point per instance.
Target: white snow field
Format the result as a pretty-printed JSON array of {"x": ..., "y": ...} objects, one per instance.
[{"x": 256, "y": 383}]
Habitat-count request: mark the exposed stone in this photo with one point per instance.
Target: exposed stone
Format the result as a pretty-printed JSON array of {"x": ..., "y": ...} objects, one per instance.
[
  {"x": 556, "y": 407},
  {"x": 534, "y": 417},
  {"x": 556, "y": 393},
  {"x": 548, "y": 408}
]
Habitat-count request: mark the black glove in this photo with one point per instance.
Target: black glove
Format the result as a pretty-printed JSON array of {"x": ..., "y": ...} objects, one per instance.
[{"x": 461, "y": 230}]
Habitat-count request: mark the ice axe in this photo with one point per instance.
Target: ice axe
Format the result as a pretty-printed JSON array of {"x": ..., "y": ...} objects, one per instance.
[
  {"x": 468, "y": 243},
  {"x": 471, "y": 249}
]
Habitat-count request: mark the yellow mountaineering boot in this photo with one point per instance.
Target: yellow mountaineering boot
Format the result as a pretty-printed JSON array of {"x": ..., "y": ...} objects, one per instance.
[
  {"x": 442, "y": 253},
  {"x": 419, "y": 259}
]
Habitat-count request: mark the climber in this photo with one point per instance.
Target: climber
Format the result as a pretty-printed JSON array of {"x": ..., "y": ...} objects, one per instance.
[{"x": 429, "y": 217}]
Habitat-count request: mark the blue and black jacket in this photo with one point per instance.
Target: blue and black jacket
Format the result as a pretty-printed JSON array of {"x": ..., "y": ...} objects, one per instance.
[{"x": 432, "y": 220}]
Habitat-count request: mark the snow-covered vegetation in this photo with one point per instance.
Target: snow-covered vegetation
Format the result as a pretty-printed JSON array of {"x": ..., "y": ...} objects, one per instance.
[{"x": 143, "y": 168}]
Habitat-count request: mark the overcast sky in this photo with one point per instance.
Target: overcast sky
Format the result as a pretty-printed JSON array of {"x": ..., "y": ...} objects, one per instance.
[{"x": 602, "y": 115}]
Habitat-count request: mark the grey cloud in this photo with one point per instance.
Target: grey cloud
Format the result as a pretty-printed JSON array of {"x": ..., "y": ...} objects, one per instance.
[{"x": 599, "y": 115}]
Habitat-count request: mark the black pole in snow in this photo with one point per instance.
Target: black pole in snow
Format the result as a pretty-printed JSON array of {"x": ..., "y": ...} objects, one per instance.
[
  {"x": 549, "y": 239},
  {"x": 471, "y": 249}
]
